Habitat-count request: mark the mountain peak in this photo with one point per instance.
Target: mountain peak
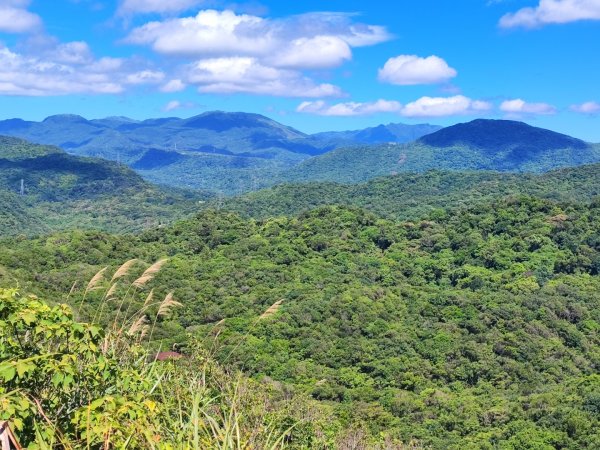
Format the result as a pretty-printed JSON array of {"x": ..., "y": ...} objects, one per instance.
[
  {"x": 496, "y": 135},
  {"x": 65, "y": 118}
]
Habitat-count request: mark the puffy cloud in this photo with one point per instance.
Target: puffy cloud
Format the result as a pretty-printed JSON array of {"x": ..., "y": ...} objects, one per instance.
[
  {"x": 349, "y": 108},
  {"x": 423, "y": 107},
  {"x": 312, "y": 53},
  {"x": 590, "y": 108},
  {"x": 244, "y": 53},
  {"x": 14, "y": 17},
  {"x": 445, "y": 106},
  {"x": 68, "y": 69},
  {"x": 518, "y": 107},
  {"x": 411, "y": 70},
  {"x": 131, "y": 7},
  {"x": 247, "y": 75},
  {"x": 305, "y": 41},
  {"x": 552, "y": 11}
]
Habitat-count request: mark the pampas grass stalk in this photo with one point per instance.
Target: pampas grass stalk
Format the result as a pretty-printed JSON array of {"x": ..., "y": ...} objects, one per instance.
[
  {"x": 163, "y": 310},
  {"x": 124, "y": 269}
]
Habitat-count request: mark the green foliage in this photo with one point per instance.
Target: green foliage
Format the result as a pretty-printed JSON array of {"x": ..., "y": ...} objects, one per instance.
[
  {"x": 475, "y": 328},
  {"x": 63, "y": 191},
  {"x": 62, "y": 387},
  {"x": 362, "y": 163},
  {"x": 412, "y": 196}
]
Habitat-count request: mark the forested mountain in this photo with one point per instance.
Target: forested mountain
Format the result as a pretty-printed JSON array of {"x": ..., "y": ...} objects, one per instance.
[
  {"x": 471, "y": 329},
  {"x": 239, "y": 152},
  {"x": 478, "y": 145},
  {"x": 413, "y": 195},
  {"x": 62, "y": 191},
  {"x": 231, "y": 152}
]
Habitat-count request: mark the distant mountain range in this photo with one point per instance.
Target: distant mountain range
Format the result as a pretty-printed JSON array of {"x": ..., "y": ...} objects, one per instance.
[
  {"x": 500, "y": 145},
  {"x": 43, "y": 189},
  {"x": 392, "y": 132},
  {"x": 239, "y": 152},
  {"x": 232, "y": 152}
]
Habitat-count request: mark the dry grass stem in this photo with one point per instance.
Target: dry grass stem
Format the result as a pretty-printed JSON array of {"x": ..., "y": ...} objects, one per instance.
[
  {"x": 96, "y": 279},
  {"x": 149, "y": 298},
  {"x": 124, "y": 269},
  {"x": 138, "y": 325},
  {"x": 167, "y": 304},
  {"x": 149, "y": 273},
  {"x": 111, "y": 290}
]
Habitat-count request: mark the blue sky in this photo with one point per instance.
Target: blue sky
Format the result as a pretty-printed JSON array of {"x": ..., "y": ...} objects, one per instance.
[{"x": 315, "y": 65}]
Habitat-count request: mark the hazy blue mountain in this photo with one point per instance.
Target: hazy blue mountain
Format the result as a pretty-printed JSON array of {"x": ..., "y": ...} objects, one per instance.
[
  {"x": 499, "y": 145},
  {"x": 230, "y": 152},
  {"x": 210, "y": 149},
  {"x": 64, "y": 191},
  {"x": 392, "y": 132}
]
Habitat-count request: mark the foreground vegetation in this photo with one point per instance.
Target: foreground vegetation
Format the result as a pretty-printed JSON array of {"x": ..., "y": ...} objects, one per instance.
[
  {"x": 74, "y": 385},
  {"x": 476, "y": 328}
]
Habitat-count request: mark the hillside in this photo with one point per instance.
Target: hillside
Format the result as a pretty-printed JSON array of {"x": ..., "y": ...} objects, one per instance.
[
  {"x": 414, "y": 195},
  {"x": 219, "y": 151},
  {"x": 62, "y": 191},
  {"x": 499, "y": 145},
  {"x": 472, "y": 329}
]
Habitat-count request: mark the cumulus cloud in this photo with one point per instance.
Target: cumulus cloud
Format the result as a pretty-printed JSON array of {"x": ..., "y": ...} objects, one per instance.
[
  {"x": 445, "y": 106},
  {"x": 347, "y": 109},
  {"x": 518, "y": 107},
  {"x": 552, "y": 12},
  {"x": 247, "y": 75},
  {"x": 411, "y": 70},
  {"x": 249, "y": 54},
  {"x": 69, "y": 68},
  {"x": 590, "y": 108},
  {"x": 14, "y": 17},
  {"x": 309, "y": 40},
  {"x": 131, "y": 7},
  {"x": 423, "y": 107}
]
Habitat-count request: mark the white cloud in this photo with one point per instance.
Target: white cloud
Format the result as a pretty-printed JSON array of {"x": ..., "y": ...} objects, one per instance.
[
  {"x": 445, "y": 106},
  {"x": 14, "y": 17},
  {"x": 347, "y": 109},
  {"x": 175, "y": 85},
  {"x": 130, "y": 7},
  {"x": 518, "y": 107},
  {"x": 312, "y": 53},
  {"x": 77, "y": 52},
  {"x": 423, "y": 107},
  {"x": 553, "y": 12},
  {"x": 412, "y": 70},
  {"x": 590, "y": 108},
  {"x": 174, "y": 105},
  {"x": 244, "y": 53},
  {"x": 68, "y": 69},
  {"x": 305, "y": 41},
  {"x": 248, "y": 75}
]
